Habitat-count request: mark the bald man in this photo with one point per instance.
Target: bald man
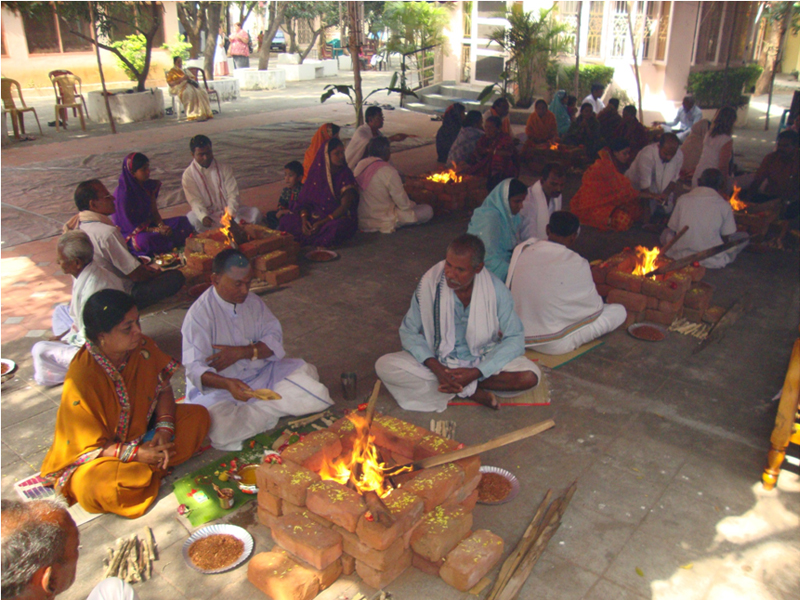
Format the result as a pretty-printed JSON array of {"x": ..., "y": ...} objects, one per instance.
[{"x": 40, "y": 543}]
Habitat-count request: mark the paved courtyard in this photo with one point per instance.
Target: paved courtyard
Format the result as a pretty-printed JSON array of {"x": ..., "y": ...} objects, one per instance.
[{"x": 667, "y": 447}]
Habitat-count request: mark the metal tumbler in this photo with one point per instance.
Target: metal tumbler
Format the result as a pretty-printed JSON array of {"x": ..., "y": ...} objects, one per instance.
[{"x": 349, "y": 386}]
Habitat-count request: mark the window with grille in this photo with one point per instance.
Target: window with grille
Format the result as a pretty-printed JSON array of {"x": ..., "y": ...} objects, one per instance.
[
  {"x": 708, "y": 38},
  {"x": 619, "y": 29},
  {"x": 744, "y": 14},
  {"x": 663, "y": 30},
  {"x": 568, "y": 15},
  {"x": 46, "y": 32},
  {"x": 594, "y": 38}
]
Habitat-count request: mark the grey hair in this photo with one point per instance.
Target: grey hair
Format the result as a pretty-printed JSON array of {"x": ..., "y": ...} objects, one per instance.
[
  {"x": 32, "y": 538},
  {"x": 379, "y": 147},
  {"x": 470, "y": 244},
  {"x": 76, "y": 244}
]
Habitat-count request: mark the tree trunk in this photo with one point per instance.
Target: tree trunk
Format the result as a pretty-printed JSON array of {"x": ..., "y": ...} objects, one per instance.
[
  {"x": 100, "y": 68},
  {"x": 304, "y": 54},
  {"x": 767, "y": 58},
  {"x": 784, "y": 30},
  {"x": 155, "y": 11},
  {"x": 634, "y": 51},
  {"x": 212, "y": 31},
  {"x": 274, "y": 22},
  {"x": 578, "y": 50},
  {"x": 193, "y": 20},
  {"x": 352, "y": 10}
]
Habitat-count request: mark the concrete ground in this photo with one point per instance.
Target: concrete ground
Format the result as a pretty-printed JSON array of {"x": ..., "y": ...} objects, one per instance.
[{"x": 667, "y": 447}]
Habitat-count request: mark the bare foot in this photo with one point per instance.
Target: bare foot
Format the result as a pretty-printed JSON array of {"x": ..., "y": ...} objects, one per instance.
[{"x": 486, "y": 398}]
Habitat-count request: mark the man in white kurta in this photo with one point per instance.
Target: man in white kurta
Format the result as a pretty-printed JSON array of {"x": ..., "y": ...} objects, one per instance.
[
  {"x": 595, "y": 98},
  {"x": 460, "y": 337},
  {"x": 543, "y": 199},
  {"x": 233, "y": 345},
  {"x": 688, "y": 114},
  {"x": 75, "y": 255},
  {"x": 211, "y": 189},
  {"x": 383, "y": 202},
  {"x": 710, "y": 220},
  {"x": 554, "y": 294},
  {"x": 656, "y": 169},
  {"x": 357, "y": 146}
]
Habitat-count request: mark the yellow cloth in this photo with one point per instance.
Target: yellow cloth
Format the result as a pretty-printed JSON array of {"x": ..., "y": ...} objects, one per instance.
[
  {"x": 322, "y": 135},
  {"x": 538, "y": 130},
  {"x": 96, "y": 411},
  {"x": 195, "y": 100}
]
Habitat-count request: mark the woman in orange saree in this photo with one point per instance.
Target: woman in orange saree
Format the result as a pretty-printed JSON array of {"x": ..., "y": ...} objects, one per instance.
[
  {"x": 102, "y": 454},
  {"x": 606, "y": 199},
  {"x": 323, "y": 134}
]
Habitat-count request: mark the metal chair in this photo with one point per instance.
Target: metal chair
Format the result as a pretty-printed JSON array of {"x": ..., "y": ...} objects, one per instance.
[
  {"x": 195, "y": 71},
  {"x": 17, "y": 114},
  {"x": 77, "y": 93},
  {"x": 69, "y": 98}
]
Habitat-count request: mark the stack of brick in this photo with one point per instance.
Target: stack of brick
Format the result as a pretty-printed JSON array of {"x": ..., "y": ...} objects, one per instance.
[
  {"x": 322, "y": 527},
  {"x": 661, "y": 299},
  {"x": 272, "y": 253},
  {"x": 449, "y": 197}
]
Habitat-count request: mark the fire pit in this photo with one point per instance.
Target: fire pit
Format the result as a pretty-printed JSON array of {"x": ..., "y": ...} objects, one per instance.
[
  {"x": 756, "y": 219},
  {"x": 447, "y": 192},
  {"x": 331, "y": 510}
]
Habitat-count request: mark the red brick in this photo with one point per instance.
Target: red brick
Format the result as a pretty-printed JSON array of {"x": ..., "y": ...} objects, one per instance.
[
  {"x": 693, "y": 315},
  {"x": 598, "y": 274},
  {"x": 684, "y": 280},
  {"x": 279, "y": 577},
  {"x": 400, "y": 460},
  {"x": 380, "y": 560},
  {"x": 288, "y": 481},
  {"x": 348, "y": 564},
  {"x": 192, "y": 276},
  {"x": 440, "y": 531},
  {"x": 308, "y": 540},
  {"x": 346, "y": 430},
  {"x": 468, "y": 504},
  {"x": 379, "y": 579},
  {"x": 259, "y": 232},
  {"x": 314, "y": 449},
  {"x": 282, "y": 275},
  {"x": 699, "y": 296},
  {"x": 662, "y": 318},
  {"x": 194, "y": 244},
  {"x": 263, "y": 246},
  {"x": 433, "y": 445},
  {"x": 271, "y": 261},
  {"x": 633, "y": 303},
  {"x": 603, "y": 289},
  {"x": 663, "y": 290},
  {"x": 336, "y": 502},
  {"x": 625, "y": 281},
  {"x": 291, "y": 509},
  {"x": 669, "y": 307},
  {"x": 199, "y": 262},
  {"x": 652, "y": 302},
  {"x": 266, "y": 518},
  {"x": 465, "y": 490},
  {"x": 269, "y": 502},
  {"x": 426, "y": 566},
  {"x": 713, "y": 314},
  {"x": 696, "y": 273},
  {"x": 471, "y": 466},
  {"x": 326, "y": 577},
  {"x": 630, "y": 319},
  {"x": 405, "y": 507},
  {"x": 472, "y": 559},
  {"x": 396, "y": 435},
  {"x": 213, "y": 247},
  {"x": 435, "y": 485}
]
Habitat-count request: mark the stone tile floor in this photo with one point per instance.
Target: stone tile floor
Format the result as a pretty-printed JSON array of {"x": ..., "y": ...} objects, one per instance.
[{"x": 667, "y": 447}]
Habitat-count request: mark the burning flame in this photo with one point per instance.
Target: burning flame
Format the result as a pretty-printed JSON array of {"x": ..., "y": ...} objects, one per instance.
[
  {"x": 736, "y": 203},
  {"x": 363, "y": 466},
  {"x": 554, "y": 146},
  {"x": 645, "y": 260},
  {"x": 226, "y": 224},
  {"x": 445, "y": 177}
]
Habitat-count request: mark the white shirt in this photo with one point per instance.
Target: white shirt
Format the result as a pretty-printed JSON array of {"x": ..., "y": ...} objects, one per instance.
[
  {"x": 93, "y": 278},
  {"x": 110, "y": 251},
  {"x": 384, "y": 202},
  {"x": 211, "y": 320},
  {"x": 709, "y": 217},
  {"x": 210, "y": 191},
  {"x": 649, "y": 172},
  {"x": 596, "y": 103},
  {"x": 354, "y": 151},
  {"x": 685, "y": 120},
  {"x": 536, "y": 211}
]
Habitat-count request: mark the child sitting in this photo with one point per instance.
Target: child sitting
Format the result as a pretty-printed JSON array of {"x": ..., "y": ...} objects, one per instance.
[{"x": 292, "y": 176}]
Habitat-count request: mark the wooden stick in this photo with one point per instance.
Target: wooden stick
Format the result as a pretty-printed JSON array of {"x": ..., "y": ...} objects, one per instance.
[
  {"x": 671, "y": 243},
  {"x": 305, "y": 420},
  {"x": 682, "y": 262},
  {"x": 379, "y": 509},
  {"x": 113, "y": 567},
  {"x": 729, "y": 318},
  {"x": 503, "y": 440}
]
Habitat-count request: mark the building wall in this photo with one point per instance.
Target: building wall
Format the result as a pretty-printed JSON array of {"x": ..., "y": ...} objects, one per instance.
[
  {"x": 679, "y": 49},
  {"x": 791, "y": 54},
  {"x": 31, "y": 70}
]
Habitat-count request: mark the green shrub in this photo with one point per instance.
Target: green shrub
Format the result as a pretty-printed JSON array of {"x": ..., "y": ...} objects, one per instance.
[
  {"x": 562, "y": 77},
  {"x": 180, "y": 47},
  {"x": 711, "y": 89},
  {"x": 133, "y": 48}
]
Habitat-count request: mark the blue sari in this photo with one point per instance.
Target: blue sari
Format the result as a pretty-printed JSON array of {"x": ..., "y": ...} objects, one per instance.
[
  {"x": 559, "y": 110},
  {"x": 498, "y": 228}
]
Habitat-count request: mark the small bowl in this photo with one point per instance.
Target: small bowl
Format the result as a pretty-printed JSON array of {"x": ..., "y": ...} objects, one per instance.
[
  {"x": 248, "y": 488},
  {"x": 509, "y": 476},
  {"x": 633, "y": 330},
  {"x": 321, "y": 255},
  {"x": 10, "y": 368}
]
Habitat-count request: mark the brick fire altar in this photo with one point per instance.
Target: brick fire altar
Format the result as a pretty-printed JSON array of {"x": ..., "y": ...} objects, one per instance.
[
  {"x": 324, "y": 528},
  {"x": 446, "y": 192}
]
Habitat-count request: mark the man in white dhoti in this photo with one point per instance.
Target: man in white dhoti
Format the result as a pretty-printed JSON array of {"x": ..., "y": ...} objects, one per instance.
[
  {"x": 357, "y": 146},
  {"x": 74, "y": 255},
  {"x": 543, "y": 199},
  {"x": 688, "y": 114},
  {"x": 710, "y": 220},
  {"x": 461, "y": 337},
  {"x": 554, "y": 294},
  {"x": 233, "y": 345},
  {"x": 40, "y": 554},
  {"x": 656, "y": 169},
  {"x": 384, "y": 204},
  {"x": 210, "y": 188}
]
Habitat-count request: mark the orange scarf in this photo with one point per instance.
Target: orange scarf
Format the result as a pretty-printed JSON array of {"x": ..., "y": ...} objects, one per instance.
[
  {"x": 322, "y": 135},
  {"x": 541, "y": 130}
]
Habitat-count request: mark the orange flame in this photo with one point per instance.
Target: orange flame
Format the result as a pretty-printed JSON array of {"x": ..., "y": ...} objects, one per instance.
[
  {"x": 445, "y": 177},
  {"x": 226, "y": 224},
  {"x": 554, "y": 146},
  {"x": 365, "y": 454},
  {"x": 735, "y": 201},
  {"x": 645, "y": 260}
]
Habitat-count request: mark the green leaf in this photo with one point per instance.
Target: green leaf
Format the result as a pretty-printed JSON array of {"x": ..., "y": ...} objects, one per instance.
[
  {"x": 485, "y": 93},
  {"x": 326, "y": 96},
  {"x": 639, "y": 572},
  {"x": 393, "y": 82}
]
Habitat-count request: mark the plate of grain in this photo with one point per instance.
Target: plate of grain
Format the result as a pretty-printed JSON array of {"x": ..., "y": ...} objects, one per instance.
[
  {"x": 497, "y": 486},
  {"x": 217, "y": 548},
  {"x": 649, "y": 332}
]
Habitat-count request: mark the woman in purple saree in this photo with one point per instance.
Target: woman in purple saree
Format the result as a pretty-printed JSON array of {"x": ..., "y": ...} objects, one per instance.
[
  {"x": 136, "y": 214},
  {"x": 325, "y": 212}
]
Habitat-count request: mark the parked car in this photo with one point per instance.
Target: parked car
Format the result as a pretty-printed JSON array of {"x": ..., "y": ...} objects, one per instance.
[{"x": 278, "y": 43}]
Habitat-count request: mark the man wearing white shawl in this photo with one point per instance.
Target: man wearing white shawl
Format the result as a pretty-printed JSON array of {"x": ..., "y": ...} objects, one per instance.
[
  {"x": 461, "y": 337},
  {"x": 554, "y": 294},
  {"x": 656, "y": 170},
  {"x": 210, "y": 189},
  {"x": 543, "y": 199}
]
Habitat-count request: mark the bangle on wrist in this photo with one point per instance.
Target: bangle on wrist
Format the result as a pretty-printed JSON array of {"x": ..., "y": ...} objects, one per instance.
[{"x": 255, "y": 352}]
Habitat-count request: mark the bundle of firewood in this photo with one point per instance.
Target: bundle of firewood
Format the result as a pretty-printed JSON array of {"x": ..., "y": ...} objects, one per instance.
[
  {"x": 446, "y": 429},
  {"x": 518, "y": 566},
  {"x": 132, "y": 558}
]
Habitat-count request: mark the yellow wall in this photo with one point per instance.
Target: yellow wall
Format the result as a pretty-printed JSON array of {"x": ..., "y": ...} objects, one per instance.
[{"x": 791, "y": 55}]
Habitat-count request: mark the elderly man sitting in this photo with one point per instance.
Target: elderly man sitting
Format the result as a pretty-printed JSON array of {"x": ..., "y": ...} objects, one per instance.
[
  {"x": 232, "y": 346},
  {"x": 656, "y": 170},
  {"x": 554, "y": 294},
  {"x": 74, "y": 255},
  {"x": 461, "y": 337},
  {"x": 362, "y": 136},
  {"x": 40, "y": 554},
  {"x": 384, "y": 205},
  {"x": 688, "y": 114}
]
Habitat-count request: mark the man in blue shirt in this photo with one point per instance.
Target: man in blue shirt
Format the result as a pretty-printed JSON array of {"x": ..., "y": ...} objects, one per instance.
[
  {"x": 461, "y": 337},
  {"x": 688, "y": 114}
]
